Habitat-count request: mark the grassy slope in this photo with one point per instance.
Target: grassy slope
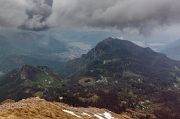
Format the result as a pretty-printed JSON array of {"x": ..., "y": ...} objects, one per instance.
[{"x": 34, "y": 108}]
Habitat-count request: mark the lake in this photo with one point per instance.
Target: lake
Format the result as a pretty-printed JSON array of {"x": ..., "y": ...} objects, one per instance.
[{"x": 81, "y": 45}]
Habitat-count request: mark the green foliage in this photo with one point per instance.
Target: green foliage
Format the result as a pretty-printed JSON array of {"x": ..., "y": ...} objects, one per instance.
[
  {"x": 42, "y": 80},
  {"x": 69, "y": 99},
  {"x": 107, "y": 74},
  {"x": 128, "y": 74},
  {"x": 100, "y": 71},
  {"x": 145, "y": 80},
  {"x": 65, "y": 81}
]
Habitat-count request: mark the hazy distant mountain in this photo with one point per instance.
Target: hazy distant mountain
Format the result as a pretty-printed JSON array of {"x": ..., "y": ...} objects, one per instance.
[
  {"x": 11, "y": 62},
  {"x": 5, "y": 46},
  {"x": 173, "y": 44},
  {"x": 31, "y": 44},
  {"x": 20, "y": 48},
  {"x": 89, "y": 37},
  {"x": 172, "y": 50}
]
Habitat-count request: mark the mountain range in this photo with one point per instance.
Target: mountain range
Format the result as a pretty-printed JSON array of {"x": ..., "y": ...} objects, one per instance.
[
  {"x": 16, "y": 61},
  {"x": 20, "y": 48},
  {"x": 172, "y": 50},
  {"x": 116, "y": 74},
  {"x": 112, "y": 57},
  {"x": 38, "y": 46}
]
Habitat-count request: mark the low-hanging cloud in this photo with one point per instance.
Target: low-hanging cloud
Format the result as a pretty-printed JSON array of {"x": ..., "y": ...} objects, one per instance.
[
  {"x": 25, "y": 14},
  {"x": 143, "y": 15},
  {"x": 38, "y": 13}
]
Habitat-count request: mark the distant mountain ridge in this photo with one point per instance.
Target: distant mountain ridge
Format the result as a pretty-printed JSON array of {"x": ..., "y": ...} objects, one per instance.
[
  {"x": 173, "y": 44},
  {"x": 20, "y": 48},
  {"x": 142, "y": 61},
  {"x": 16, "y": 61},
  {"x": 117, "y": 74},
  {"x": 30, "y": 44},
  {"x": 172, "y": 50},
  {"x": 125, "y": 75}
]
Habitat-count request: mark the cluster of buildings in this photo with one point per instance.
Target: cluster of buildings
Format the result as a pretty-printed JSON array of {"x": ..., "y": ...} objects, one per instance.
[{"x": 74, "y": 52}]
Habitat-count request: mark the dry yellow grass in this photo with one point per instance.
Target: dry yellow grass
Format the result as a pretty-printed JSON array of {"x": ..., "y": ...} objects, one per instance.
[
  {"x": 93, "y": 98},
  {"x": 7, "y": 101},
  {"x": 34, "y": 108},
  {"x": 82, "y": 80}
]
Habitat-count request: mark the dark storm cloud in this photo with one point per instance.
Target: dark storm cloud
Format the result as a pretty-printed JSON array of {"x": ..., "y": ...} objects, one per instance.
[
  {"x": 142, "y": 15},
  {"x": 25, "y": 14},
  {"x": 37, "y": 15}
]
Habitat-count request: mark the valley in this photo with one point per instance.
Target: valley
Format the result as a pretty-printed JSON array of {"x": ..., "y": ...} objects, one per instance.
[
  {"x": 116, "y": 74},
  {"x": 22, "y": 48},
  {"x": 89, "y": 59}
]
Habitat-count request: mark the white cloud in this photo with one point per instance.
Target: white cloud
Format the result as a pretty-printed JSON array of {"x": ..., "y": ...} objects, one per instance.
[
  {"x": 12, "y": 13},
  {"x": 155, "y": 44},
  {"x": 142, "y": 15},
  {"x": 145, "y": 16},
  {"x": 140, "y": 43},
  {"x": 122, "y": 37}
]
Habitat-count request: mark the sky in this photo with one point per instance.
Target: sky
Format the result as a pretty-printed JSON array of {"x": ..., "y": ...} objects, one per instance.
[{"x": 157, "y": 21}]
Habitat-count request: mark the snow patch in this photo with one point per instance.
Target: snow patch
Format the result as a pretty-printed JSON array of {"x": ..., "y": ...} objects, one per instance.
[
  {"x": 86, "y": 114},
  {"x": 108, "y": 115},
  {"x": 72, "y": 113},
  {"x": 105, "y": 115},
  {"x": 99, "y": 117}
]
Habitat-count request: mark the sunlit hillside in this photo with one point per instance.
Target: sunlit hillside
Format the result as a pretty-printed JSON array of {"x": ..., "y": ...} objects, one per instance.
[{"x": 36, "y": 108}]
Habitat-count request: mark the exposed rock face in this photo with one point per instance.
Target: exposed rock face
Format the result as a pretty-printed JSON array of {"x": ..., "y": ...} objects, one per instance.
[{"x": 24, "y": 75}]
